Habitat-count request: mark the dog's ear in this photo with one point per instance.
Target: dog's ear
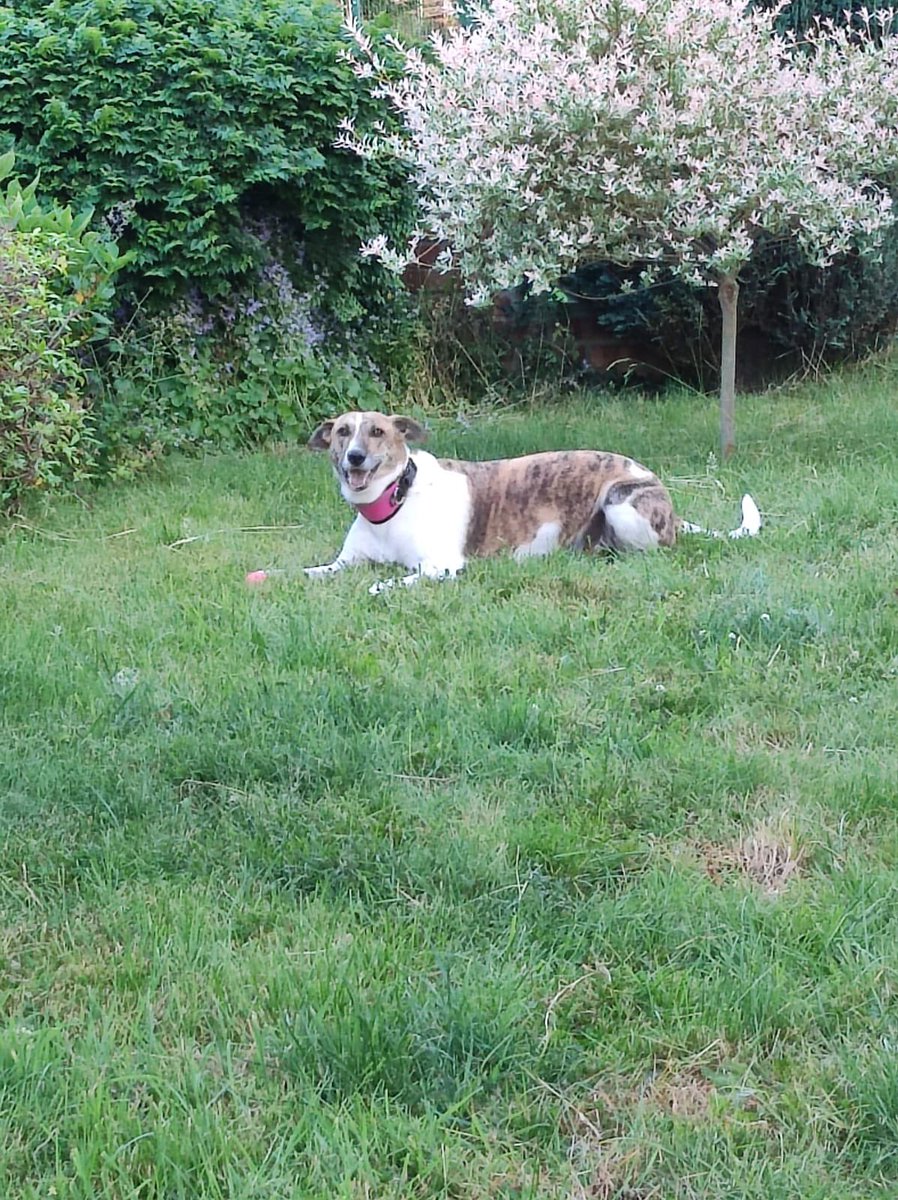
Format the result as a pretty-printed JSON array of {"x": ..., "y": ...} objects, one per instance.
[
  {"x": 410, "y": 430},
  {"x": 321, "y": 438}
]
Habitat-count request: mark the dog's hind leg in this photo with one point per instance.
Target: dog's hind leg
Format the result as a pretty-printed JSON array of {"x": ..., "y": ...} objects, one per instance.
[
  {"x": 632, "y": 515},
  {"x": 630, "y": 529}
]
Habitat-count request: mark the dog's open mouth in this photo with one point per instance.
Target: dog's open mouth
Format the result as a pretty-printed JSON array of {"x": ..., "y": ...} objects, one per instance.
[{"x": 358, "y": 479}]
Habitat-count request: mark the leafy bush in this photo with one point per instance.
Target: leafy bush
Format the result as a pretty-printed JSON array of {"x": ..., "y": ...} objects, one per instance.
[
  {"x": 254, "y": 369},
  {"x": 55, "y": 294},
  {"x": 792, "y": 314},
  {"x": 42, "y": 428},
  {"x": 266, "y": 362},
  {"x": 180, "y": 119},
  {"x": 202, "y": 132}
]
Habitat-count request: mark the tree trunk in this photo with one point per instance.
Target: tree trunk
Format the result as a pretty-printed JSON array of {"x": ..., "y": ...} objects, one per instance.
[{"x": 728, "y": 294}]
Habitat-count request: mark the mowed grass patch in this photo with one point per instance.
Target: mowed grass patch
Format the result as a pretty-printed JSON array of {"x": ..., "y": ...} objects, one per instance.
[{"x": 574, "y": 877}]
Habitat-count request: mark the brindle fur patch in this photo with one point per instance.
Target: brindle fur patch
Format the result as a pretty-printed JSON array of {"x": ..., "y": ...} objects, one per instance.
[{"x": 512, "y": 498}]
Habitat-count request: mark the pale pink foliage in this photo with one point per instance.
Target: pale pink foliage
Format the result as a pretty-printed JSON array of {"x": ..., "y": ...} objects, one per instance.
[{"x": 556, "y": 132}]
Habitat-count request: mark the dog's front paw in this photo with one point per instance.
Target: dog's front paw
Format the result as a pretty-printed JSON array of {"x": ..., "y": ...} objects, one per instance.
[
  {"x": 437, "y": 573},
  {"x": 382, "y": 585}
]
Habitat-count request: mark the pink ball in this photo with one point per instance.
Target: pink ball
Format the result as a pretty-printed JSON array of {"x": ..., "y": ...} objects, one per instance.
[{"x": 254, "y": 577}]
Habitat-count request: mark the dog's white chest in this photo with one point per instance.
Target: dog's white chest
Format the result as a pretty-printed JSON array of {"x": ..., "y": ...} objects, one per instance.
[{"x": 430, "y": 528}]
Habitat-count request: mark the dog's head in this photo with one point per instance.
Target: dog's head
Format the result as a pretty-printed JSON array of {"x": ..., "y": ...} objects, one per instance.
[{"x": 368, "y": 450}]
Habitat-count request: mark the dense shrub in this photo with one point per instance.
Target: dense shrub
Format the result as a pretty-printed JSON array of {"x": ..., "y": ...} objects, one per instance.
[
  {"x": 55, "y": 296},
  {"x": 257, "y": 368},
  {"x": 792, "y": 315},
  {"x": 177, "y": 119},
  {"x": 202, "y": 132},
  {"x": 42, "y": 427}
]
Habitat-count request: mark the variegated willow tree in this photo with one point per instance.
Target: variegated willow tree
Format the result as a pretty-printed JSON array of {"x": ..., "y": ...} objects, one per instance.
[{"x": 550, "y": 134}]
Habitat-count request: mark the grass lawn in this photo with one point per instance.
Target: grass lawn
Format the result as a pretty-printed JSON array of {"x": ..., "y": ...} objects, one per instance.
[{"x": 571, "y": 878}]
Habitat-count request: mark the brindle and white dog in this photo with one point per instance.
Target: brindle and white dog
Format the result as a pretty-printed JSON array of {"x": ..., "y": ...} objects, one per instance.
[{"x": 431, "y": 515}]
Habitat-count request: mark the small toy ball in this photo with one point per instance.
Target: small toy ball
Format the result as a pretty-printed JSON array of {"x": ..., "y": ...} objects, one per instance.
[{"x": 254, "y": 577}]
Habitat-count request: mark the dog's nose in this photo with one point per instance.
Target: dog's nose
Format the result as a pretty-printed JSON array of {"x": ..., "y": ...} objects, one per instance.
[{"x": 355, "y": 458}]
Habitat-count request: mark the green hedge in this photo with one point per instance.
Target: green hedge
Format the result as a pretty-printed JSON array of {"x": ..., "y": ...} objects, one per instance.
[
  {"x": 202, "y": 134},
  {"x": 179, "y": 119}
]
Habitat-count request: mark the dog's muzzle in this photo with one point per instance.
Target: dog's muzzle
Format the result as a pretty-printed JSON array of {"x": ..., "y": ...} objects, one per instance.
[{"x": 357, "y": 471}]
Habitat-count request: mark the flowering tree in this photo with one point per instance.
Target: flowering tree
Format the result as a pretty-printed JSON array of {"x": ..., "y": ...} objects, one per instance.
[{"x": 555, "y": 133}]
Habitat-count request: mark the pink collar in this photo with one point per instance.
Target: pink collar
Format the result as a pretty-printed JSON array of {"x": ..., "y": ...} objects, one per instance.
[{"x": 389, "y": 502}]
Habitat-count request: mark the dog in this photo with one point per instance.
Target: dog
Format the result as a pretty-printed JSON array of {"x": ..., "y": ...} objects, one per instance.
[{"x": 432, "y": 515}]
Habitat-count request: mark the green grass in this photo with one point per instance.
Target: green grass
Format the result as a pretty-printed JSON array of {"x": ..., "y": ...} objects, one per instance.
[{"x": 461, "y": 891}]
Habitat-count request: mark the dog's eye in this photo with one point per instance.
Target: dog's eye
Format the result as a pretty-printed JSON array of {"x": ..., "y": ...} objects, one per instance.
[
  {"x": 343, "y": 431},
  {"x": 375, "y": 432}
]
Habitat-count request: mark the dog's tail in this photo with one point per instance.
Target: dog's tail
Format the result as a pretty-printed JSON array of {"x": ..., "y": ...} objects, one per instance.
[{"x": 750, "y": 527}]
